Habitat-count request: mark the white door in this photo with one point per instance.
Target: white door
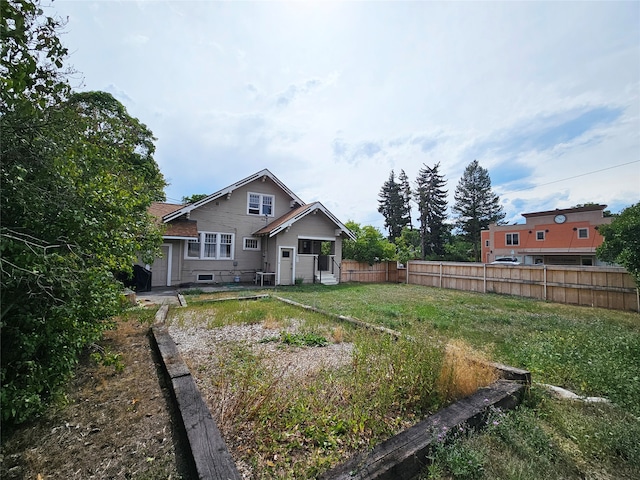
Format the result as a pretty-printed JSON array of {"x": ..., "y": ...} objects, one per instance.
[{"x": 286, "y": 266}]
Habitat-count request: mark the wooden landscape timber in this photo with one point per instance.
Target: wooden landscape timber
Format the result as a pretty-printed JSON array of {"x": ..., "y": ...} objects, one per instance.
[
  {"x": 210, "y": 456},
  {"x": 404, "y": 456}
]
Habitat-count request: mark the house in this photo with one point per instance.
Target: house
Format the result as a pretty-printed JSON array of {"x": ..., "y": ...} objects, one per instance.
[
  {"x": 254, "y": 230},
  {"x": 556, "y": 237}
]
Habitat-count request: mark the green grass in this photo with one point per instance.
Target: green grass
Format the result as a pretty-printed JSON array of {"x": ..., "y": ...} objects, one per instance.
[{"x": 593, "y": 352}]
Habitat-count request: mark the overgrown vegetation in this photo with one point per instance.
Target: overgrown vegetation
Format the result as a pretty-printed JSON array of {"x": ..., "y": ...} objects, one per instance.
[
  {"x": 77, "y": 176},
  {"x": 593, "y": 352},
  {"x": 301, "y": 424}
]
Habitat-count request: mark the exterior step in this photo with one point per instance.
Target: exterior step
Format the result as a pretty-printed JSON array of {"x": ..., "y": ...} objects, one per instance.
[{"x": 328, "y": 279}]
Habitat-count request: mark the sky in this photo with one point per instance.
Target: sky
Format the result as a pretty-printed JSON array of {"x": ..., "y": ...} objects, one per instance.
[{"x": 333, "y": 96}]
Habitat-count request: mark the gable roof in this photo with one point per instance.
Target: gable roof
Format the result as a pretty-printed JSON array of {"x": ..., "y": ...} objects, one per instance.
[
  {"x": 178, "y": 229},
  {"x": 296, "y": 214},
  {"x": 264, "y": 174},
  {"x": 160, "y": 209}
]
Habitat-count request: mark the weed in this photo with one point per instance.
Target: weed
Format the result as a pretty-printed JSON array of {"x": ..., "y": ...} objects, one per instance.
[
  {"x": 107, "y": 358},
  {"x": 192, "y": 291},
  {"x": 303, "y": 339}
]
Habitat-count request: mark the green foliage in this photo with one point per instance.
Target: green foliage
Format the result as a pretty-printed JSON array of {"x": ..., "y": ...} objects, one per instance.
[
  {"x": 393, "y": 206},
  {"x": 196, "y": 197},
  {"x": 308, "y": 339},
  {"x": 31, "y": 57},
  {"x": 431, "y": 198},
  {"x": 622, "y": 241},
  {"x": 107, "y": 358},
  {"x": 476, "y": 205},
  {"x": 408, "y": 245},
  {"x": 370, "y": 246},
  {"x": 77, "y": 176}
]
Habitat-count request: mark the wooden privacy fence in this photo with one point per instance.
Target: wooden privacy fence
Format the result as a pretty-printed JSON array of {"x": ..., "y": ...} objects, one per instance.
[
  {"x": 352, "y": 271},
  {"x": 606, "y": 287}
]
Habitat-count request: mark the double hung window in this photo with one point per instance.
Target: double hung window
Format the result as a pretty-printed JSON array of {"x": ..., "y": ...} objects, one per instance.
[
  {"x": 512, "y": 239},
  {"x": 211, "y": 246},
  {"x": 260, "y": 204}
]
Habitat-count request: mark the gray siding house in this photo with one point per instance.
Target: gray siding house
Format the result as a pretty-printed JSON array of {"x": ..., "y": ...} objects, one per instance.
[{"x": 256, "y": 230}]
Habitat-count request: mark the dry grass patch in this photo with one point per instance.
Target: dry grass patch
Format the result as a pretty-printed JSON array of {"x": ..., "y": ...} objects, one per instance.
[{"x": 463, "y": 371}]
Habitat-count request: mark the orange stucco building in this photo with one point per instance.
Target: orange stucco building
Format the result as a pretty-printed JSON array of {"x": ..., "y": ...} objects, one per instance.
[{"x": 556, "y": 237}]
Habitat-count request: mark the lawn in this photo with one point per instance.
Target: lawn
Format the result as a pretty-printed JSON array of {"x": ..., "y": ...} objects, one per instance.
[{"x": 592, "y": 352}]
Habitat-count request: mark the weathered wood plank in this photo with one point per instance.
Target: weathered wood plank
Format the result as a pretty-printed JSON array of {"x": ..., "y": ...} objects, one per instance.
[
  {"x": 404, "y": 456},
  {"x": 208, "y": 450},
  {"x": 210, "y": 454},
  {"x": 173, "y": 363}
]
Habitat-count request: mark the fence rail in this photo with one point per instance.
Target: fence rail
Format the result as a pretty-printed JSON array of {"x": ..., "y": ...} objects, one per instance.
[{"x": 606, "y": 287}]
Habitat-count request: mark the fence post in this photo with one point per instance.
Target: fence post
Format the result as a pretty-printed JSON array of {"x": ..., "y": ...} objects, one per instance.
[
  {"x": 545, "y": 281},
  {"x": 440, "y": 274},
  {"x": 484, "y": 277}
]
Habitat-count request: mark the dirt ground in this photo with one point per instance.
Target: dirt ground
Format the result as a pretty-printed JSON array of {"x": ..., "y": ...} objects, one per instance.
[{"x": 114, "y": 424}]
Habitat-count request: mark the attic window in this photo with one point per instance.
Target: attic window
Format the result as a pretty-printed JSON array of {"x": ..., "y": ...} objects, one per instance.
[{"x": 260, "y": 204}]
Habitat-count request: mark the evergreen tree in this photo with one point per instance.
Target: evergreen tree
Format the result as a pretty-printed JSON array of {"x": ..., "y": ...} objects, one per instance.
[
  {"x": 432, "y": 207},
  {"x": 405, "y": 188},
  {"x": 392, "y": 207},
  {"x": 476, "y": 205}
]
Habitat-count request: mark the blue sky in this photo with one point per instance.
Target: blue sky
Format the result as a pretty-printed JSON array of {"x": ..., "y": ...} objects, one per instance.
[{"x": 331, "y": 96}]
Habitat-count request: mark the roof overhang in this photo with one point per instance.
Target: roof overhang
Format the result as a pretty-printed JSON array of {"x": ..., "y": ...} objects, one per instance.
[
  {"x": 285, "y": 222},
  {"x": 262, "y": 174}
]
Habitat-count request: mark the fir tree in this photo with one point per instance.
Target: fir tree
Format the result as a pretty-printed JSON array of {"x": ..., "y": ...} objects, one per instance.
[
  {"x": 405, "y": 189},
  {"x": 476, "y": 205},
  {"x": 432, "y": 207},
  {"x": 391, "y": 206}
]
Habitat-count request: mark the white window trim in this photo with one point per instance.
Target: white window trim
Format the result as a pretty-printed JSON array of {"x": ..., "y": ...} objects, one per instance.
[
  {"x": 201, "y": 237},
  {"x": 262, "y": 196},
  {"x": 512, "y": 242},
  {"x": 583, "y": 229},
  {"x": 244, "y": 244},
  {"x": 543, "y": 235}
]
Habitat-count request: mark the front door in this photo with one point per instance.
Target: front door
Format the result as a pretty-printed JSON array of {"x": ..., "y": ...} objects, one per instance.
[{"x": 285, "y": 266}]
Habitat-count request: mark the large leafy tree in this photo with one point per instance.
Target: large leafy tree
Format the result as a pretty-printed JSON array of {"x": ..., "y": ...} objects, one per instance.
[
  {"x": 431, "y": 198},
  {"x": 408, "y": 245},
  {"x": 622, "y": 241},
  {"x": 476, "y": 205},
  {"x": 370, "y": 246},
  {"x": 77, "y": 177},
  {"x": 391, "y": 205}
]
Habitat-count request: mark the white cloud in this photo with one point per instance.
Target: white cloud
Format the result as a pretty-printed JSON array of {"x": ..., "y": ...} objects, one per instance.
[{"x": 333, "y": 95}]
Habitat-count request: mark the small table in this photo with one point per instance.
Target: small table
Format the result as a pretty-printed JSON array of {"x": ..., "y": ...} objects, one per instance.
[{"x": 265, "y": 274}]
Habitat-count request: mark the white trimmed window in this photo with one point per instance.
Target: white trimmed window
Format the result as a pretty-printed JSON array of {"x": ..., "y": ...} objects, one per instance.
[
  {"x": 540, "y": 235},
  {"x": 250, "y": 243},
  {"x": 211, "y": 246},
  {"x": 512, "y": 239},
  {"x": 260, "y": 204},
  {"x": 583, "y": 233}
]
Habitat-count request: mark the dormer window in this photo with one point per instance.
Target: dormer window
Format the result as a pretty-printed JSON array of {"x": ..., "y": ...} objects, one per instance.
[{"x": 260, "y": 204}]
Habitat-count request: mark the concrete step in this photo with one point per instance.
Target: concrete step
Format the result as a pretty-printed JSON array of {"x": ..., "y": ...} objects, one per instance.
[{"x": 328, "y": 278}]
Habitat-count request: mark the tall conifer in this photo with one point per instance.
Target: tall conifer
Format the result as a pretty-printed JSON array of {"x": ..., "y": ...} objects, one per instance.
[
  {"x": 476, "y": 205},
  {"x": 431, "y": 198}
]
